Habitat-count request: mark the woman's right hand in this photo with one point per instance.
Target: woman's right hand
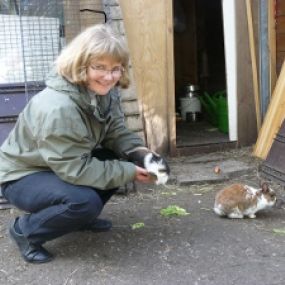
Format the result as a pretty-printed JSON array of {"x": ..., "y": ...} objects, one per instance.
[{"x": 142, "y": 175}]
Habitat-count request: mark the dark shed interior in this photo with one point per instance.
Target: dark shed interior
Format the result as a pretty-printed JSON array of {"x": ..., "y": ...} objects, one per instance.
[{"x": 200, "y": 78}]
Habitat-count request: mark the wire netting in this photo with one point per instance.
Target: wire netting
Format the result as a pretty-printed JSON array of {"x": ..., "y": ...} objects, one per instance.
[{"x": 32, "y": 34}]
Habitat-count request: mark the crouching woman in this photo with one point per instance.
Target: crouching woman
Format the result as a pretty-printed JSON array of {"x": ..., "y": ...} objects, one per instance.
[{"x": 67, "y": 154}]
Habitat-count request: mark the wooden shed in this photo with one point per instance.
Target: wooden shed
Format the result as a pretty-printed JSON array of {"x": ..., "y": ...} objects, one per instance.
[
  {"x": 174, "y": 44},
  {"x": 212, "y": 44}
]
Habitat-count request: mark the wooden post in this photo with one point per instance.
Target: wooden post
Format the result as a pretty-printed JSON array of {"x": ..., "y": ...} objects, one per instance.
[
  {"x": 146, "y": 30},
  {"x": 272, "y": 45},
  {"x": 273, "y": 119},
  {"x": 253, "y": 64},
  {"x": 246, "y": 117},
  {"x": 170, "y": 79}
]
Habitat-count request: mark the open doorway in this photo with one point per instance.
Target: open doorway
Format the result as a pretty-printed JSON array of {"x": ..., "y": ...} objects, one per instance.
[{"x": 200, "y": 77}]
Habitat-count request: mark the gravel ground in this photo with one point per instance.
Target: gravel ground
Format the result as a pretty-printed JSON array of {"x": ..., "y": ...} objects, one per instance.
[{"x": 198, "y": 248}]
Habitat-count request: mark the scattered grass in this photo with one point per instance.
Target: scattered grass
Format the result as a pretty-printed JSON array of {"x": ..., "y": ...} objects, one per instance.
[
  {"x": 173, "y": 210},
  {"x": 279, "y": 231},
  {"x": 169, "y": 193},
  {"x": 206, "y": 209},
  {"x": 137, "y": 226}
]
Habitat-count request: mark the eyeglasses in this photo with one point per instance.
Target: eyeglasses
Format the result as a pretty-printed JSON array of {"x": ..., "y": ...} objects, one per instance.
[{"x": 116, "y": 72}]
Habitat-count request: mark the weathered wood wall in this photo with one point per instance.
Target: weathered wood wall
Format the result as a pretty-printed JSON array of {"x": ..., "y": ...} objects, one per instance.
[
  {"x": 130, "y": 103},
  {"x": 280, "y": 34},
  {"x": 147, "y": 31},
  {"x": 247, "y": 130}
]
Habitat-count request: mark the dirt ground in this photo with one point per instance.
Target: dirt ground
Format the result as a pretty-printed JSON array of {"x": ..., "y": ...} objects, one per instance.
[{"x": 199, "y": 248}]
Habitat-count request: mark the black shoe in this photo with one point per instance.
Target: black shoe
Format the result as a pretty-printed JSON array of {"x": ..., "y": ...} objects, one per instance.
[
  {"x": 99, "y": 225},
  {"x": 32, "y": 253}
]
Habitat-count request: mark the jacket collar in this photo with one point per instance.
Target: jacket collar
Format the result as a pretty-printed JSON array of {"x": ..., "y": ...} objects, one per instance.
[{"x": 80, "y": 95}]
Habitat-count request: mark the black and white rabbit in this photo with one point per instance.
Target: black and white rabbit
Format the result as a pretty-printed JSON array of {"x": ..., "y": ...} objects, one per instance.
[
  {"x": 152, "y": 162},
  {"x": 238, "y": 200}
]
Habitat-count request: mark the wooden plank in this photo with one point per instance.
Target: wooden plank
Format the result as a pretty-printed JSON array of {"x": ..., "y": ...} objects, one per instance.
[
  {"x": 280, "y": 36},
  {"x": 246, "y": 117},
  {"x": 170, "y": 79},
  {"x": 273, "y": 118},
  {"x": 280, "y": 24},
  {"x": 272, "y": 45},
  {"x": 280, "y": 7},
  {"x": 253, "y": 64},
  {"x": 145, "y": 24},
  {"x": 280, "y": 57},
  {"x": 279, "y": 61},
  {"x": 280, "y": 42}
]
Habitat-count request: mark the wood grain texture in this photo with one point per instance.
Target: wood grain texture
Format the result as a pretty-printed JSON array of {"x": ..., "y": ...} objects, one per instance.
[
  {"x": 253, "y": 63},
  {"x": 170, "y": 80},
  {"x": 146, "y": 30},
  {"x": 280, "y": 7},
  {"x": 272, "y": 45},
  {"x": 273, "y": 118},
  {"x": 247, "y": 132},
  {"x": 280, "y": 34}
]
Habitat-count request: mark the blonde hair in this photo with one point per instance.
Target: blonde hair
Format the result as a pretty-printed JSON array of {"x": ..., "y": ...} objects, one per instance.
[{"x": 95, "y": 42}]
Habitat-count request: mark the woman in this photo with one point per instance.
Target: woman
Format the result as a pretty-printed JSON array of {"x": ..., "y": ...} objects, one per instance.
[{"x": 60, "y": 162}]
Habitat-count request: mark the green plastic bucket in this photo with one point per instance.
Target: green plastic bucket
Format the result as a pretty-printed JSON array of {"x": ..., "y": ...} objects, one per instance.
[
  {"x": 216, "y": 108},
  {"x": 210, "y": 107},
  {"x": 222, "y": 110}
]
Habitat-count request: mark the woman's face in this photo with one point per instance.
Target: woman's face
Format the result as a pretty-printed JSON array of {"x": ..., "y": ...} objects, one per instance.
[{"x": 103, "y": 74}]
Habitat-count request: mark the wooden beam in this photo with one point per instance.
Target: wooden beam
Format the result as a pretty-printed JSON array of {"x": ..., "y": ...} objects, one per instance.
[
  {"x": 273, "y": 118},
  {"x": 145, "y": 25},
  {"x": 170, "y": 79},
  {"x": 272, "y": 45},
  {"x": 246, "y": 117},
  {"x": 253, "y": 63}
]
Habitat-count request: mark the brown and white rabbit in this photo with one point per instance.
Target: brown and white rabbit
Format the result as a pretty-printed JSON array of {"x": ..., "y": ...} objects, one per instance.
[
  {"x": 238, "y": 200},
  {"x": 152, "y": 162}
]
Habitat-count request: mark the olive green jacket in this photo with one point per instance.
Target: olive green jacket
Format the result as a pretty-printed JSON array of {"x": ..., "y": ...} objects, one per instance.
[{"x": 58, "y": 129}]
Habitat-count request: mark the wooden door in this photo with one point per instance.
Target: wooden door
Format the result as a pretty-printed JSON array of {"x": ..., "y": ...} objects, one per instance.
[{"x": 149, "y": 31}]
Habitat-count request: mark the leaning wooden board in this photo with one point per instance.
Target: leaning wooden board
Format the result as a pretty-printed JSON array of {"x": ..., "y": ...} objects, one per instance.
[{"x": 273, "y": 118}]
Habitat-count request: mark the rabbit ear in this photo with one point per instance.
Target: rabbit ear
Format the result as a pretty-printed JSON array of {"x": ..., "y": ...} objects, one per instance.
[{"x": 265, "y": 187}]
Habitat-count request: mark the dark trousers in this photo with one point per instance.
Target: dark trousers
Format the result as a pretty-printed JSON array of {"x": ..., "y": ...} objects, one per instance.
[{"x": 54, "y": 207}]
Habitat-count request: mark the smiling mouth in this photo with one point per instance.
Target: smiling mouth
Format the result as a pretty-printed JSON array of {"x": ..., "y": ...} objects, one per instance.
[{"x": 104, "y": 84}]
